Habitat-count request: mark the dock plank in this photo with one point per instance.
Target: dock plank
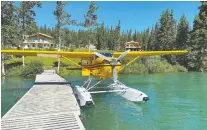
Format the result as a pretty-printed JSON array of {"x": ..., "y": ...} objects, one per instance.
[{"x": 45, "y": 107}]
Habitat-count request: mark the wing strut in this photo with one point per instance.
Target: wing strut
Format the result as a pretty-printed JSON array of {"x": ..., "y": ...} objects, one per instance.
[
  {"x": 130, "y": 62},
  {"x": 71, "y": 61}
]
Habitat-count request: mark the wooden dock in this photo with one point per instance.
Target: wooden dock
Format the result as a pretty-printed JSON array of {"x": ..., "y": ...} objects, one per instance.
[{"x": 48, "y": 105}]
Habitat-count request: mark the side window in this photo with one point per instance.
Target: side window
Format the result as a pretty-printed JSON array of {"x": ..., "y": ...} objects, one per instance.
[{"x": 85, "y": 62}]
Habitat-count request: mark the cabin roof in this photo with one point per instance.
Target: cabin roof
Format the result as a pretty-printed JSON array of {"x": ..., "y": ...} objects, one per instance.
[
  {"x": 132, "y": 43},
  {"x": 45, "y": 35}
]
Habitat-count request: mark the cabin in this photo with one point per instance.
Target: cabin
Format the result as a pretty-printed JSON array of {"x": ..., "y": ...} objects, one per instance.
[
  {"x": 133, "y": 46},
  {"x": 91, "y": 47},
  {"x": 38, "y": 41}
]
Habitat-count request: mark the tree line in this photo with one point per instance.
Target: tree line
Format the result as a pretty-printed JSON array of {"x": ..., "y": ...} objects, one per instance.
[{"x": 166, "y": 34}]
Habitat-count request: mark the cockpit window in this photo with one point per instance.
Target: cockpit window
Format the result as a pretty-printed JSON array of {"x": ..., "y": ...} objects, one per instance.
[{"x": 107, "y": 54}]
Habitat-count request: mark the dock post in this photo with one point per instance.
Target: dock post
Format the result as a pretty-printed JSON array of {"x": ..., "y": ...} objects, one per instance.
[
  {"x": 58, "y": 65},
  {"x": 2, "y": 65},
  {"x": 23, "y": 61}
]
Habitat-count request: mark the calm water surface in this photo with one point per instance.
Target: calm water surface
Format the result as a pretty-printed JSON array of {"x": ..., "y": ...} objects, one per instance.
[{"x": 177, "y": 102}]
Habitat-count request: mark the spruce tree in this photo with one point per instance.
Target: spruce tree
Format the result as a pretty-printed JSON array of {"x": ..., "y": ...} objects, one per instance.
[
  {"x": 26, "y": 16},
  {"x": 183, "y": 31},
  {"x": 117, "y": 37},
  {"x": 182, "y": 38},
  {"x": 198, "y": 57},
  {"x": 145, "y": 39},
  {"x": 166, "y": 34},
  {"x": 63, "y": 18},
  {"x": 91, "y": 20},
  {"x": 153, "y": 45},
  {"x": 9, "y": 21},
  {"x": 100, "y": 37}
]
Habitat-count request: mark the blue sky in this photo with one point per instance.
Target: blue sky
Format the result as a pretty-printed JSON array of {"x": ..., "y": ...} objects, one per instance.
[{"x": 133, "y": 15}]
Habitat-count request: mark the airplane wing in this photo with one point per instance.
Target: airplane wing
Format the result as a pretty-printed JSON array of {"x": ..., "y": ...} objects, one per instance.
[
  {"x": 48, "y": 53},
  {"x": 85, "y": 54},
  {"x": 150, "y": 53}
]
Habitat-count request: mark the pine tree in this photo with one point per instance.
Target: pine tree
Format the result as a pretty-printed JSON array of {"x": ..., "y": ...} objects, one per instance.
[
  {"x": 100, "y": 37},
  {"x": 145, "y": 39},
  {"x": 198, "y": 57},
  {"x": 183, "y": 31},
  {"x": 9, "y": 28},
  {"x": 153, "y": 44},
  {"x": 123, "y": 40},
  {"x": 117, "y": 37},
  {"x": 135, "y": 36},
  {"x": 166, "y": 31},
  {"x": 26, "y": 16},
  {"x": 129, "y": 34},
  {"x": 166, "y": 34},
  {"x": 182, "y": 38},
  {"x": 91, "y": 20},
  {"x": 63, "y": 18},
  {"x": 110, "y": 41}
]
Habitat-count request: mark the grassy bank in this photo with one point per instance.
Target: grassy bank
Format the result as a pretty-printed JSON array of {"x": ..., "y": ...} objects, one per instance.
[
  {"x": 13, "y": 67},
  {"x": 150, "y": 65},
  {"x": 145, "y": 65}
]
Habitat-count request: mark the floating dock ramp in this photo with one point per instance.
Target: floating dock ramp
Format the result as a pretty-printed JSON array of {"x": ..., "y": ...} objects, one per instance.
[{"x": 48, "y": 105}]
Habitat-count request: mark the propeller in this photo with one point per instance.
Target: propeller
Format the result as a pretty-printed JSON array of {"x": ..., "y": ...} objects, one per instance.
[
  {"x": 113, "y": 62},
  {"x": 121, "y": 56},
  {"x": 102, "y": 56}
]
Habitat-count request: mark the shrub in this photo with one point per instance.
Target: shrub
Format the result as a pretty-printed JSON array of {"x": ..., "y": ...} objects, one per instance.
[
  {"x": 15, "y": 71},
  {"x": 205, "y": 69},
  {"x": 135, "y": 69},
  {"x": 180, "y": 68},
  {"x": 62, "y": 64},
  {"x": 32, "y": 68},
  {"x": 156, "y": 65},
  {"x": 65, "y": 72}
]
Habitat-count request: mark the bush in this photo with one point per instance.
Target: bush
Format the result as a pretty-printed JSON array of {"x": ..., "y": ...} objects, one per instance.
[
  {"x": 65, "y": 72},
  {"x": 32, "y": 68},
  {"x": 205, "y": 69},
  {"x": 135, "y": 69},
  {"x": 180, "y": 68},
  {"x": 62, "y": 64},
  {"x": 154, "y": 64},
  {"x": 15, "y": 71}
]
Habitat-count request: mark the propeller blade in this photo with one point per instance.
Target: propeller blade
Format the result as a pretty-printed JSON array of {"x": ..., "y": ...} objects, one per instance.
[
  {"x": 120, "y": 57},
  {"x": 114, "y": 74},
  {"x": 123, "y": 55},
  {"x": 102, "y": 56}
]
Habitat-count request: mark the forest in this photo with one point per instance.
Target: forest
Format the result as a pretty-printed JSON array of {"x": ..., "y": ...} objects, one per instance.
[{"x": 166, "y": 34}]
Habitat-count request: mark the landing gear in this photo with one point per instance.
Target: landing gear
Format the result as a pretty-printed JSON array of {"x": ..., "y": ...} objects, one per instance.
[
  {"x": 83, "y": 94},
  {"x": 128, "y": 93}
]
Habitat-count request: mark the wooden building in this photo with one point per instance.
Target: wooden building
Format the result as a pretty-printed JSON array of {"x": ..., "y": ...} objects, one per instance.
[
  {"x": 133, "y": 46},
  {"x": 38, "y": 41}
]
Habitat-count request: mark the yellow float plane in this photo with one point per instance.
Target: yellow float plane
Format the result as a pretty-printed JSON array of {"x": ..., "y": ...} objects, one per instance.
[{"x": 102, "y": 65}]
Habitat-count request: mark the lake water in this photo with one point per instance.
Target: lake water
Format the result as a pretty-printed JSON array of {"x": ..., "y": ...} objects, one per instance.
[{"x": 177, "y": 102}]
